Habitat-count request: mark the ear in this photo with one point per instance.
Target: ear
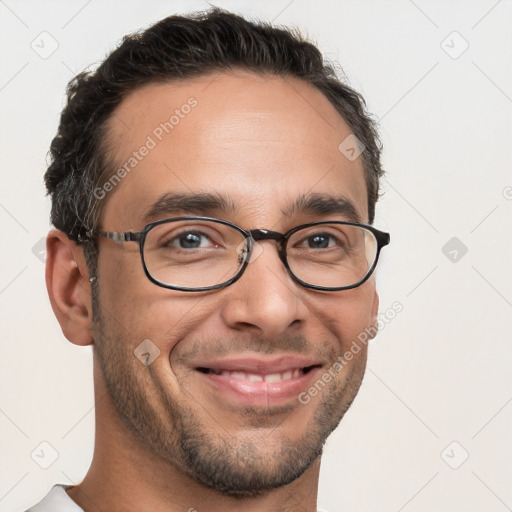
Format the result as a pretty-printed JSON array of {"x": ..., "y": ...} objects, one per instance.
[{"x": 67, "y": 282}]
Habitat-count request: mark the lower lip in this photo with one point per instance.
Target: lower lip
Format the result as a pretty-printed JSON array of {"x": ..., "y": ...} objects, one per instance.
[{"x": 261, "y": 393}]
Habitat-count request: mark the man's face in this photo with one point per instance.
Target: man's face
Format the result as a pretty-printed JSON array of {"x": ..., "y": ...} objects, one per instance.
[{"x": 261, "y": 142}]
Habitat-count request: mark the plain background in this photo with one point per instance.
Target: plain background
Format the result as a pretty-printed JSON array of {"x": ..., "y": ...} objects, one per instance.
[{"x": 430, "y": 428}]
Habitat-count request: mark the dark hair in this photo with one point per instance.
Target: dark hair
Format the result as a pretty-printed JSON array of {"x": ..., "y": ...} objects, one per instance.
[{"x": 180, "y": 47}]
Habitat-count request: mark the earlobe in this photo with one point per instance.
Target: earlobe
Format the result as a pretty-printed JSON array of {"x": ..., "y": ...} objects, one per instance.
[{"x": 68, "y": 287}]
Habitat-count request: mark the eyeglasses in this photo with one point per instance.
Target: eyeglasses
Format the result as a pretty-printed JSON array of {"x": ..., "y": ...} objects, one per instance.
[{"x": 194, "y": 253}]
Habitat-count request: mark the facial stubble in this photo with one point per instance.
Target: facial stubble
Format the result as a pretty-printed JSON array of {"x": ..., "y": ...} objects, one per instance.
[{"x": 232, "y": 463}]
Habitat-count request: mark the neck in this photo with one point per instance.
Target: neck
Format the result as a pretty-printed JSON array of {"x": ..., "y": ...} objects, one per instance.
[{"x": 126, "y": 476}]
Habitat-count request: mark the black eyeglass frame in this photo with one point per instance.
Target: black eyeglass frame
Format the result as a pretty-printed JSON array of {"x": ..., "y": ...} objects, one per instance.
[{"x": 255, "y": 235}]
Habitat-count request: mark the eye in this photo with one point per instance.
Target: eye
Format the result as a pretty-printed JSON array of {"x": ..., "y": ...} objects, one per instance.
[
  {"x": 191, "y": 240},
  {"x": 319, "y": 241}
]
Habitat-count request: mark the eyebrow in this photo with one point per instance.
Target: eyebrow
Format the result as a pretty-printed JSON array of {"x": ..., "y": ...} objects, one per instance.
[
  {"x": 207, "y": 203},
  {"x": 175, "y": 203},
  {"x": 323, "y": 204}
]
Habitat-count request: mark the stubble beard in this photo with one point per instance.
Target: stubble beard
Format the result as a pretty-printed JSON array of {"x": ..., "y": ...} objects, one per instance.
[{"x": 232, "y": 465}]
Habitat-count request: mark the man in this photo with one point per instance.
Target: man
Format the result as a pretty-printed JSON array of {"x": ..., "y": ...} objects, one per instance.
[{"x": 213, "y": 188}]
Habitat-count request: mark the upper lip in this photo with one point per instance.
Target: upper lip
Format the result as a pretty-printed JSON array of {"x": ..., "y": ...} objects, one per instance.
[{"x": 259, "y": 365}]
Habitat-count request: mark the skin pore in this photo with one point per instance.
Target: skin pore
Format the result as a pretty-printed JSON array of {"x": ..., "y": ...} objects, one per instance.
[{"x": 167, "y": 440}]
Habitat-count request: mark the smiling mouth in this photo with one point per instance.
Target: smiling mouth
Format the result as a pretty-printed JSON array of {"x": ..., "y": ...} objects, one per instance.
[
  {"x": 291, "y": 373},
  {"x": 246, "y": 379}
]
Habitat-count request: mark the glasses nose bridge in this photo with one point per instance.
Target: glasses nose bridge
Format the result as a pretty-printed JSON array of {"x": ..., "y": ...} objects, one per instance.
[{"x": 266, "y": 234}]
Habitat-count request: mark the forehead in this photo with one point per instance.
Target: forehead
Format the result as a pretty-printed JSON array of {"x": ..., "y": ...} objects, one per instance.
[{"x": 260, "y": 141}]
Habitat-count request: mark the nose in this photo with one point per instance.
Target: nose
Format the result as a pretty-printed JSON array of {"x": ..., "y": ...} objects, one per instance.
[{"x": 265, "y": 299}]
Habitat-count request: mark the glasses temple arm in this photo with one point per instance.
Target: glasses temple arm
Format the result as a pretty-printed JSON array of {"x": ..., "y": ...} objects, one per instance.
[{"x": 112, "y": 235}]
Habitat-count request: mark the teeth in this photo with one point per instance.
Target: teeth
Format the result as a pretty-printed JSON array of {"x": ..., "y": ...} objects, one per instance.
[
  {"x": 254, "y": 377},
  {"x": 287, "y": 375}
]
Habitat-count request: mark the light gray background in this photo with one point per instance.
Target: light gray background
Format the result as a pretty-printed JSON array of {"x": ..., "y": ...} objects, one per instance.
[{"x": 440, "y": 370}]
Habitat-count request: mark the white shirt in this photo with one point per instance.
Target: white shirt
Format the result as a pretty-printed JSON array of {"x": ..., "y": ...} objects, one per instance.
[{"x": 57, "y": 500}]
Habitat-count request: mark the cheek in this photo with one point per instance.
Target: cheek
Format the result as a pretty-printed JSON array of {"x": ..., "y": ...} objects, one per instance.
[
  {"x": 348, "y": 316},
  {"x": 144, "y": 311}
]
